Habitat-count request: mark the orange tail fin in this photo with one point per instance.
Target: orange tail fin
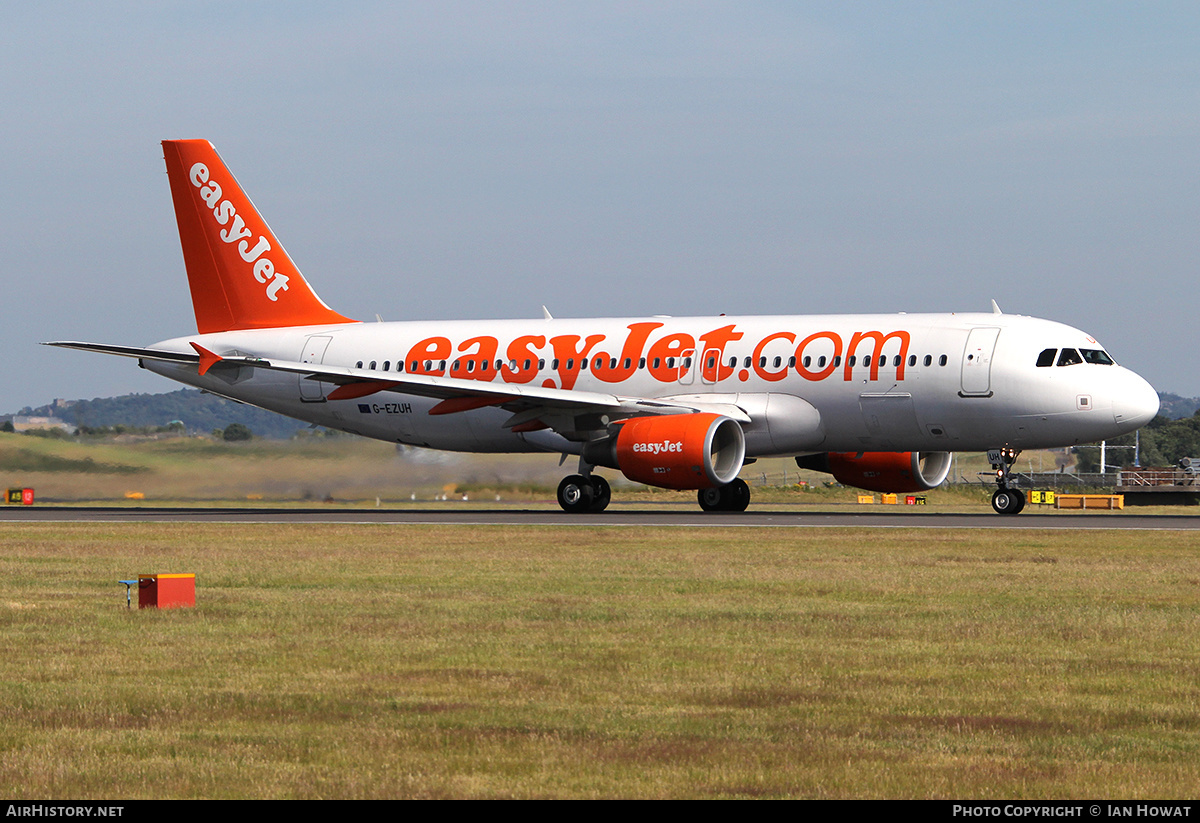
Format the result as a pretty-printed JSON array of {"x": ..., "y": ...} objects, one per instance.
[{"x": 240, "y": 276}]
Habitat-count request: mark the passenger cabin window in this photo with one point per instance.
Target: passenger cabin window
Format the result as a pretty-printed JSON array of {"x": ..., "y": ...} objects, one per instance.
[
  {"x": 387, "y": 364},
  {"x": 1046, "y": 358},
  {"x": 372, "y": 365},
  {"x": 358, "y": 365},
  {"x": 942, "y": 360},
  {"x": 1069, "y": 357},
  {"x": 928, "y": 361},
  {"x": 1098, "y": 357}
]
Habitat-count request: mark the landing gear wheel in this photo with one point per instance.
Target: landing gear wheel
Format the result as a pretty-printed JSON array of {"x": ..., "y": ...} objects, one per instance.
[
  {"x": 601, "y": 494},
  {"x": 739, "y": 495},
  {"x": 1008, "y": 501},
  {"x": 575, "y": 494},
  {"x": 711, "y": 500},
  {"x": 1020, "y": 500},
  {"x": 732, "y": 497}
]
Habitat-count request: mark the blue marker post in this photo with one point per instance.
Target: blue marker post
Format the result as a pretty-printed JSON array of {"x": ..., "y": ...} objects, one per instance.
[{"x": 128, "y": 599}]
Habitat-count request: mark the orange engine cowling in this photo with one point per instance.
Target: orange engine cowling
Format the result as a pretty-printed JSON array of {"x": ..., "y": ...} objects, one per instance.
[
  {"x": 883, "y": 471},
  {"x": 675, "y": 451}
]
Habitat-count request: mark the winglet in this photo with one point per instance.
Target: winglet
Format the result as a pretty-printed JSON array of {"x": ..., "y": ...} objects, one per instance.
[
  {"x": 546, "y": 313},
  {"x": 207, "y": 359},
  {"x": 361, "y": 389},
  {"x": 996, "y": 308},
  {"x": 453, "y": 405}
]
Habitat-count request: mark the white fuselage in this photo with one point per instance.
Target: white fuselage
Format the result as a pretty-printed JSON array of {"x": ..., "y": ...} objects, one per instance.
[{"x": 930, "y": 382}]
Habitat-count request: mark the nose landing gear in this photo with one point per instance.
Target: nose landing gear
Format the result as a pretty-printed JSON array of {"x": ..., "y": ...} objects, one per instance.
[{"x": 1007, "y": 499}]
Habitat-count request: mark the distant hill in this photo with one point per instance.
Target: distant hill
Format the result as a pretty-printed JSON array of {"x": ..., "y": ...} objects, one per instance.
[
  {"x": 1175, "y": 407},
  {"x": 199, "y": 412}
]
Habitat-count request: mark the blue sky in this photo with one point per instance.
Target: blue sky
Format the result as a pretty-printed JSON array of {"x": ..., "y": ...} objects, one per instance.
[{"x": 470, "y": 160}]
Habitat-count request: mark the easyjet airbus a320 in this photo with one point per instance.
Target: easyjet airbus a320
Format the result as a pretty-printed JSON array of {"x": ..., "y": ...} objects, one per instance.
[{"x": 880, "y": 401}]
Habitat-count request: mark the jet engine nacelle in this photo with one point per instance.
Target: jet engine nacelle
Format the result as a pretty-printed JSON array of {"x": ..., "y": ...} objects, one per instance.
[
  {"x": 882, "y": 471},
  {"x": 675, "y": 451}
]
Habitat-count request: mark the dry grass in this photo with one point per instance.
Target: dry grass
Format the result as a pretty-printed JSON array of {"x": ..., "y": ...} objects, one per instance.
[{"x": 394, "y": 661}]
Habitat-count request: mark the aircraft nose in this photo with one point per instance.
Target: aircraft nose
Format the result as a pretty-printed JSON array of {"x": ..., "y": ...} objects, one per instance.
[{"x": 1135, "y": 404}]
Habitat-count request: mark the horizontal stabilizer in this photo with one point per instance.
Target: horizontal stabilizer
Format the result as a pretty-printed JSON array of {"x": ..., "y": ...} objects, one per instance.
[{"x": 129, "y": 351}]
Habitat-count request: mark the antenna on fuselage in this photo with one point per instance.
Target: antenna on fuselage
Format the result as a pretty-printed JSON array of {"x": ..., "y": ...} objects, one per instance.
[{"x": 996, "y": 308}]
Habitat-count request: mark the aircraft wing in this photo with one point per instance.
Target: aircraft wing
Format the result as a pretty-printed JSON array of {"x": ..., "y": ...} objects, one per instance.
[{"x": 528, "y": 403}]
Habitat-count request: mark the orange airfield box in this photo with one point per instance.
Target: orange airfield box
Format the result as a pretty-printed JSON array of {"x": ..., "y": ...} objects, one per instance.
[{"x": 166, "y": 591}]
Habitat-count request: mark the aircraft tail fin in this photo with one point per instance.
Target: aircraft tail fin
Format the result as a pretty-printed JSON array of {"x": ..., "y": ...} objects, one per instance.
[{"x": 239, "y": 274}]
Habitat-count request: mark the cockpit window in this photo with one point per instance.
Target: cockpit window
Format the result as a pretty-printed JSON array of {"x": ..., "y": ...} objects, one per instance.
[
  {"x": 1069, "y": 357},
  {"x": 1046, "y": 358},
  {"x": 1097, "y": 356}
]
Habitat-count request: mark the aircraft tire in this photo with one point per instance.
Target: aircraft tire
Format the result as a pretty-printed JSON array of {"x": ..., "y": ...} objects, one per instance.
[
  {"x": 1020, "y": 495},
  {"x": 575, "y": 494},
  {"x": 713, "y": 499},
  {"x": 739, "y": 495},
  {"x": 601, "y": 494},
  {"x": 1008, "y": 501}
]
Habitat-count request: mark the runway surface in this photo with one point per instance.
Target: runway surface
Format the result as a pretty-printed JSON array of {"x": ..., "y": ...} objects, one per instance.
[{"x": 617, "y": 515}]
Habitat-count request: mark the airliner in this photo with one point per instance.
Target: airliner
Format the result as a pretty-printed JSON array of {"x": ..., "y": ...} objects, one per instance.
[{"x": 879, "y": 401}]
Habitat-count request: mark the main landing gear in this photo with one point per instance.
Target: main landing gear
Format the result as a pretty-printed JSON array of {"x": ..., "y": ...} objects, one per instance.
[
  {"x": 1007, "y": 499},
  {"x": 578, "y": 494},
  {"x": 590, "y": 494},
  {"x": 732, "y": 497}
]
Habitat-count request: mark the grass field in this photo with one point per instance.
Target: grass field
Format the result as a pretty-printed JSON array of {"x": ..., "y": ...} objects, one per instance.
[{"x": 393, "y": 661}]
